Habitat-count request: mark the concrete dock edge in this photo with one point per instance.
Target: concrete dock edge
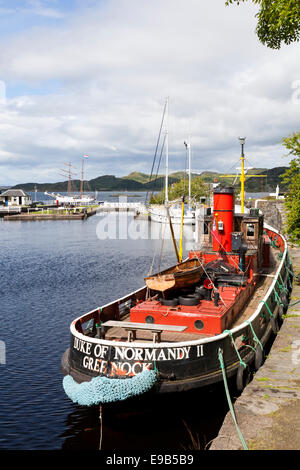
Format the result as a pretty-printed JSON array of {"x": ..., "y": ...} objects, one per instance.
[{"x": 268, "y": 410}]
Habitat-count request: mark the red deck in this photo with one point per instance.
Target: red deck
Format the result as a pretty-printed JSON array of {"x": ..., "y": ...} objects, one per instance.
[{"x": 204, "y": 318}]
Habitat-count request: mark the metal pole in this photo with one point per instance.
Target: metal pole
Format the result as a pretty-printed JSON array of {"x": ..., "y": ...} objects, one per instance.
[
  {"x": 167, "y": 151},
  {"x": 81, "y": 184},
  {"x": 190, "y": 182},
  {"x": 242, "y": 177},
  {"x": 101, "y": 426}
]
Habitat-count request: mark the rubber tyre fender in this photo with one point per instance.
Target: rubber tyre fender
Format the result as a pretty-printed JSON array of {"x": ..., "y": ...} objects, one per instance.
[
  {"x": 281, "y": 310},
  {"x": 242, "y": 377},
  {"x": 169, "y": 302},
  {"x": 259, "y": 357},
  {"x": 274, "y": 325},
  {"x": 284, "y": 299},
  {"x": 188, "y": 301}
]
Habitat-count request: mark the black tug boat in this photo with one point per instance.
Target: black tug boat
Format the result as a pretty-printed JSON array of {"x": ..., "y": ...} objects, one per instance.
[{"x": 176, "y": 332}]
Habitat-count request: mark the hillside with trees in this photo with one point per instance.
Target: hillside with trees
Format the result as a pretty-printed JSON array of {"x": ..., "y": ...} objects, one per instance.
[{"x": 137, "y": 181}]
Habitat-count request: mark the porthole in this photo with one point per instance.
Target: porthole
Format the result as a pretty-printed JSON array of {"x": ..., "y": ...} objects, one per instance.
[
  {"x": 149, "y": 319},
  {"x": 199, "y": 325}
]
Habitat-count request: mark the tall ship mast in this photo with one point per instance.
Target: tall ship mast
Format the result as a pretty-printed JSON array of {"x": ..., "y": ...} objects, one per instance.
[{"x": 73, "y": 199}]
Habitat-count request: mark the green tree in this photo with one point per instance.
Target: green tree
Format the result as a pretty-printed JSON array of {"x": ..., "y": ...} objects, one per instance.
[
  {"x": 278, "y": 21},
  {"x": 198, "y": 189},
  {"x": 292, "y": 178}
]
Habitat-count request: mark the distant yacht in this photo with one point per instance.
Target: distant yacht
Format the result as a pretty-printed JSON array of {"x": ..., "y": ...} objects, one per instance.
[{"x": 158, "y": 213}]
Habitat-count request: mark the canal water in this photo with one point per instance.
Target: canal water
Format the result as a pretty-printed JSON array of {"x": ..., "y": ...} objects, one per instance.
[{"x": 52, "y": 272}]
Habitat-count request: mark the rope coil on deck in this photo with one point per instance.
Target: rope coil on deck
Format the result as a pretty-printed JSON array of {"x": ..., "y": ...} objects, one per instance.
[{"x": 105, "y": 390}]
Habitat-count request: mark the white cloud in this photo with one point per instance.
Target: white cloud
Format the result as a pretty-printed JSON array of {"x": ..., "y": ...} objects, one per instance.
[
  {"x": 117, "y": 62},
  {"x": 37, "y": 7}
]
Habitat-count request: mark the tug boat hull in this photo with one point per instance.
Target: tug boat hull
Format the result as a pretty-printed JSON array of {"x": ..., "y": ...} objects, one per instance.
[
  {"x": 185, "y": 363},
  {"x": 231, "y": 299}
]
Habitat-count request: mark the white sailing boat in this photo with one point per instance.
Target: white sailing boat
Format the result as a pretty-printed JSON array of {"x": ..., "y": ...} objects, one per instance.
[
  {"x": 70, "y": 199},
  {"x": 158, "y": 213}
]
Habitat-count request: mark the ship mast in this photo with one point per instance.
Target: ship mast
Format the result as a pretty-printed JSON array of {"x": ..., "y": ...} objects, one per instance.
[
  {"x": 69, "y": 174},
  {"x": 242, "y": 178},
  {"x": 188, "y": 148},
  {"x": 167, "y": 152},
  {"x": 82, "y": 174},
  {"x": 190, "y": 176},
  {"x": 242, "y": 175}
]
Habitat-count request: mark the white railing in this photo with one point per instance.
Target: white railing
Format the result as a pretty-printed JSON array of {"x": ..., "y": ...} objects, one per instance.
[
  {"x": 9, "y": 209},
  {"x": 124, "y": 205}
]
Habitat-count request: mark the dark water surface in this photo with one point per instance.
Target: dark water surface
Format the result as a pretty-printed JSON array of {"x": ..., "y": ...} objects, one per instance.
[{"x": 50, "y": 273}]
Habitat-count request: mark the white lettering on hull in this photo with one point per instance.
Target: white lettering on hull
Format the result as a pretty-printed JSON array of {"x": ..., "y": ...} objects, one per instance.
[{"x": 129, "y": 361}]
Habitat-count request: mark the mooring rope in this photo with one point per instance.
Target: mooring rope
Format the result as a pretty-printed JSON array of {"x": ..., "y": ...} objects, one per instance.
[
  {"x": 222, "y": 365},
  {"x": 236, "y": 349},
  {"x": 255, "y": 338},
  {"x": 268, "y": 308}
]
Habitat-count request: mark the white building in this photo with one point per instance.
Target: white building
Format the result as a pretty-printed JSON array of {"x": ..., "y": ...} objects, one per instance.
[{"x": 15, "y": 197}]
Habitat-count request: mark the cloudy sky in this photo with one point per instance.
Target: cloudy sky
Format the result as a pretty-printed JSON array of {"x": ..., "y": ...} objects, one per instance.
[{"x": 92, "y": 76}]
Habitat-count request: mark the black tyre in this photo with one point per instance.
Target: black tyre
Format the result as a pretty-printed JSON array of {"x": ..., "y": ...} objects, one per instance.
[
  {"x": 242, "y": 377},
  {"x": 274, "y": 324},
  {"x": 281, "y": 311},
  {"x": 290, "y": 284},
  {"x": 188, "y": 300},
  {"x": 285, "y": 299},
  {"x": 259, "y": 357},
  {"x": 169, "y": 302}
]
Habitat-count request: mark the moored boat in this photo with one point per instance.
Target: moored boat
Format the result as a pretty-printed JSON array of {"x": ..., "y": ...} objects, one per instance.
[
  {"x": 182, "y": 275},
  {"x": 143, "y": 342},
  {"x": 158, "y": 213}
]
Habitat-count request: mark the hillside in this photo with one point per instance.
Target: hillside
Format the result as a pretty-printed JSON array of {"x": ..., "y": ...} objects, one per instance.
[
  {"x": 139, "y": 177},
  {"x": 136, "y": 181}
]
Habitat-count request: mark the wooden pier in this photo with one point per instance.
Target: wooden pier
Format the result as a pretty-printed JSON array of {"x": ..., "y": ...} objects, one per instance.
[{"x": 53, "y": 214}]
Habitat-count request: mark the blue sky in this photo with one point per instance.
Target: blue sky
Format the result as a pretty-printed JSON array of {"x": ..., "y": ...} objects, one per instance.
[{"x": 91, "y": 77}]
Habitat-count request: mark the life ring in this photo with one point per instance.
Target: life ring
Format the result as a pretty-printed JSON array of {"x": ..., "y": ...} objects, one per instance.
[
  {"x": 259, "y": 357},
  {"x": 242, "y": 377}
]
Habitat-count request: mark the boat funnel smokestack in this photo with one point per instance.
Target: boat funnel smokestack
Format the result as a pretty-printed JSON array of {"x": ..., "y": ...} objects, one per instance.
[{"x": 223, "y": 217}]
